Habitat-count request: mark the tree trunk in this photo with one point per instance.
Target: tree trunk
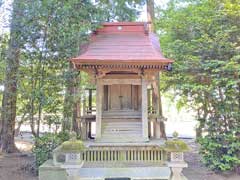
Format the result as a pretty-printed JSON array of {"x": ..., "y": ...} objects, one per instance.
[
  {"x": 68, "y": 100},
  {"x": 162, "y": 124},
  {"x": 150, "y": 15},
  {"x": 151, "y": 18},
  {"x": 1, "y": 125},
  {"x": 23, "y": 119},
  {"x": 32, "y": 106},
  {"x": 76, "y": 106},
  {"x": 10, "y": 84}
]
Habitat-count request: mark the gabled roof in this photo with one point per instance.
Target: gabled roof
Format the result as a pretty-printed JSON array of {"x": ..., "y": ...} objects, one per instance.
[{"x": 122, "y": 43}]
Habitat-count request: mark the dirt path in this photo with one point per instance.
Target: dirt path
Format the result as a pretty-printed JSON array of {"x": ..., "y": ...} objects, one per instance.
[{"x": 16, "y": 167}]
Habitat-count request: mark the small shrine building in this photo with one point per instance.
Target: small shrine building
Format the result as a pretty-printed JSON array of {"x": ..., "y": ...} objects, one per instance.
[{"x": 124, "y": 59}]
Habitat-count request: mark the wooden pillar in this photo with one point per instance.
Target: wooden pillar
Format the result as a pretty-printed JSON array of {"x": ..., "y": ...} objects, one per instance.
[
  {"x": 144, "y": 110},
  {"x": 157, "y": 133},
  {"x": 99, "y": 109},
  {"x": 84, "y": 104},
  {"x": 90, "y": 101},
  {"x": 84, "y": 129}
]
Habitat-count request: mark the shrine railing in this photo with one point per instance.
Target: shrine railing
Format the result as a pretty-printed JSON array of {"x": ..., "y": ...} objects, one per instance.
[{"x": 149, "y": 154}]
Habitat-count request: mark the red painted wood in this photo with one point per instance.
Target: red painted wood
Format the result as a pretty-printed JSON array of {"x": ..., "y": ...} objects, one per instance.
[{"x": 122, "y": 42}]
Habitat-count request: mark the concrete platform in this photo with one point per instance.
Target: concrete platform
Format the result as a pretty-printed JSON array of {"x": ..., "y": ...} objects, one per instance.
[
  {"x": 50, "y": 172},
  {"x": 136, "y": 173}
]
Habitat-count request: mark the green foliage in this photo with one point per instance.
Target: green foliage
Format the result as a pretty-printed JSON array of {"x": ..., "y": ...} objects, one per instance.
[
  {"x": 120, "y": 10},
  {"x": 52, "y": 32},
  {"x": 221, "y": 152},
  {"x": 46, "y": 144},
  {"x": 203, "y": 38}
]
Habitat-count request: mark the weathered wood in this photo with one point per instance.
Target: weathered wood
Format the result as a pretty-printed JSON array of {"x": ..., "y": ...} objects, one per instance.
[
  {"x": 99, "y": 108},
  {"x": 122, "y": 76},
  {"x": 115, "y": 102},
  {"x": 90, "y": 99},
  {"x": 135, "y": 96},
  {"x": 105, "y": 99},
  {"x": 144, "y": 109},
  {"x": 121, "y": 81},
  {"x": 126, "y": 96}
]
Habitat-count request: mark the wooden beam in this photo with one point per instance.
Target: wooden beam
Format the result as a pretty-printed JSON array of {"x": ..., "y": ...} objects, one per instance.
[
  {"x": 99, "y": 109},
  {"x": 144, "y": 110},
  {"x": 121, "y": 81}
]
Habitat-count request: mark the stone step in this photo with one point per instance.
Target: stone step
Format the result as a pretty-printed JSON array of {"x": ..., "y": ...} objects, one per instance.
[
  {"x": 121, "y": 114},
  {"x": 122, "y": 123},
  {"x": 124, "y": 116},
  {"x": 133, "y": 173},
  {"x": 121, "y": 138},
  {"x": 122, "y": 128},
  {"x": 115, "y": 118},
  {"x": 122, "y": 134}
]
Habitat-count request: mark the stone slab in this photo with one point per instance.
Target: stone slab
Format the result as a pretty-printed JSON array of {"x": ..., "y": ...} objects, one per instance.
[
  {"x": 48, "y": 171},
  {"x": 136, "y": 173}
]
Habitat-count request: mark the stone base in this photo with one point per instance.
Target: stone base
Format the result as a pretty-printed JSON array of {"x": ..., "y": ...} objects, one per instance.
[
  {"x": 48, "y": 171},
  {"x": 177, "y": 168}
]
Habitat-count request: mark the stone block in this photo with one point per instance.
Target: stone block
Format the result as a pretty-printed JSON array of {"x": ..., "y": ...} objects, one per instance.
[{"x": 48, "y": 171}]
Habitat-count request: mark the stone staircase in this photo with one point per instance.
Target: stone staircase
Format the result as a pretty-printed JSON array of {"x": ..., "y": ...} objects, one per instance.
[{"x": 125, "y": 126}]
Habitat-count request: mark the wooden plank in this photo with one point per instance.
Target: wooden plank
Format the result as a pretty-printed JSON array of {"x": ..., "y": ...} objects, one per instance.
[
  {"x": 121, "y": 81},
  {"x": 99, "y": 108},
  {"x": 126, "y": 96},
  {"x": 144, "y": 110},
  {"x": 115, "y": 97}
]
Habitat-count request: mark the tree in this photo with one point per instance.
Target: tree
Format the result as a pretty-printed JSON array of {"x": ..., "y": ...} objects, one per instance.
[
  {"x": 48, "y": 33},
  {"x": 203, "y": 38},
  {"x": 156, "y": 85},
  {"x": 10, "y": 82},
  {"x": 120, "y": 10},
  {"x": 3, "y": 47}
]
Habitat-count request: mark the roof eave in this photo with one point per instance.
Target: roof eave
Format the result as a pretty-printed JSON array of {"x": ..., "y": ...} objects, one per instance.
[{"x": 122, "y": 61}]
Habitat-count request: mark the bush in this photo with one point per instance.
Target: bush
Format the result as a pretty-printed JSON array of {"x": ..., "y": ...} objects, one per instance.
[
  {"x": 221, "y": 152},
  {"x": 45, "y": 144}
]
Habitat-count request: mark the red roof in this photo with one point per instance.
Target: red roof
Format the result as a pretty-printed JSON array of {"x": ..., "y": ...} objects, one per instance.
[{"x": 122, "y": 42}]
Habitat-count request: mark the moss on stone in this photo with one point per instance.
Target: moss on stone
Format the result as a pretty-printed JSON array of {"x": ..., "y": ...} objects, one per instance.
[
  {"x": 176, "y": 145},
  {"x": 73, "y": 146}
]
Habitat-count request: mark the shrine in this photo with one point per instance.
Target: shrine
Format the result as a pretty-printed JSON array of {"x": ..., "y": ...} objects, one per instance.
[{"x": 123, "y": 60}]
